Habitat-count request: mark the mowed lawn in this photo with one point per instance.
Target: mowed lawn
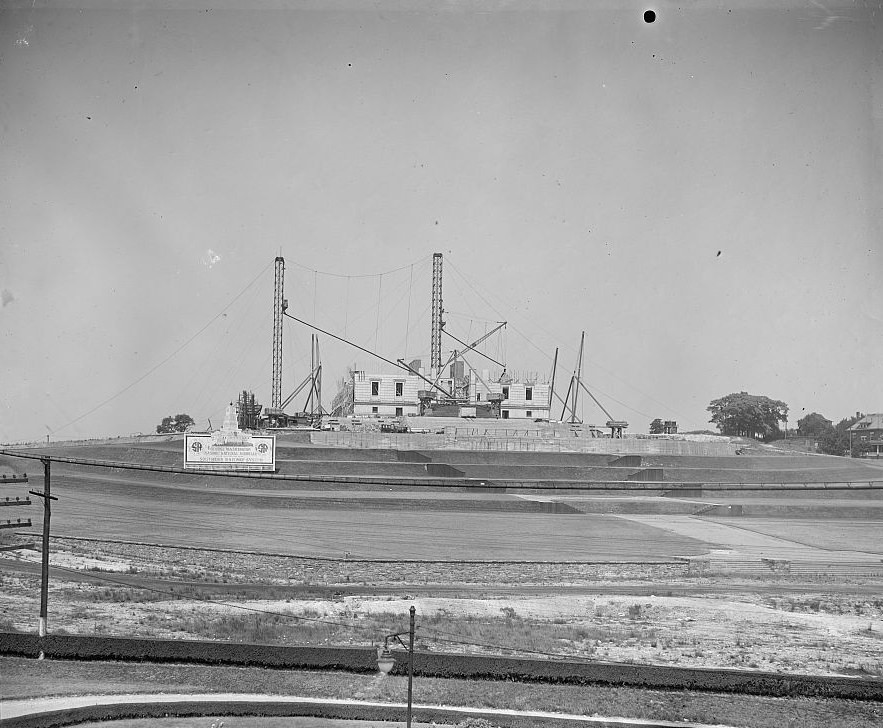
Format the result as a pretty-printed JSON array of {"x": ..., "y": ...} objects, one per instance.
[{"x": 169, "y": 516}]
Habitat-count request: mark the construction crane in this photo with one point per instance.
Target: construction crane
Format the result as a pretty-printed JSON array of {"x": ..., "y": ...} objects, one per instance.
[{"x": 576, "y": 383}]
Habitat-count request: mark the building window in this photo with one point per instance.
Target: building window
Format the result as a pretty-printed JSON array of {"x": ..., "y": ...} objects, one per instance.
[
  {"x": 505, "y": 414},
  {"x": 478, "y": 396},
  {"x": 373, "y": 410},
  {"x": 375, "y": 389},
  {"x": 505, "y": 392},
  {"x": 529, "y": 413},
  {"x": 400, "y": 411},
  {"x": 528, "y": 395},
  {"x": 400, "y": 389}
]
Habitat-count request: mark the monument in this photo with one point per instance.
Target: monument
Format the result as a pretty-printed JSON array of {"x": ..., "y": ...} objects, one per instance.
[{"x": 230, "y": 448}]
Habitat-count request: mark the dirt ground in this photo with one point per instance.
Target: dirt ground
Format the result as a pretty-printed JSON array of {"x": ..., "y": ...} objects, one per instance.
[{"x": 765, "y": 624}]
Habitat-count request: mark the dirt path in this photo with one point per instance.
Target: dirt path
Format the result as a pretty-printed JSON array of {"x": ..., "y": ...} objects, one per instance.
[{"x": 740, "y": 542}]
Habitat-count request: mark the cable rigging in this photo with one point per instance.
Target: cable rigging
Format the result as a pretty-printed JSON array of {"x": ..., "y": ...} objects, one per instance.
[
  {"x": 169, "y": 357},
  {"x": 475, "y": 289},
  {"x": 357, "y": 275}
]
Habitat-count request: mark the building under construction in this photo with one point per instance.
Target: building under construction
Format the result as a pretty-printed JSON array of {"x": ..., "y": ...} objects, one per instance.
[
  {"x": 456, "y": 387},
  {"x": 469, "y": 383}
]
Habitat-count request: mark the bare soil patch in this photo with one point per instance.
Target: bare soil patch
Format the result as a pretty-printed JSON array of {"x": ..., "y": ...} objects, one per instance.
[{"x": 816, "y": 633}]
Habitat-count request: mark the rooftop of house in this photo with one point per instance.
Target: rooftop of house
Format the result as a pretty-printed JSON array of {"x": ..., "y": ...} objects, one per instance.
[{"x": 869, "y": 422}]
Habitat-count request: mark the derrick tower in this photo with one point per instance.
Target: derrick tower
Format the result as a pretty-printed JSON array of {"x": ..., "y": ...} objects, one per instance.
[
  {"x": 435, "y": 362},
  {"x": 279, "y": 306}
]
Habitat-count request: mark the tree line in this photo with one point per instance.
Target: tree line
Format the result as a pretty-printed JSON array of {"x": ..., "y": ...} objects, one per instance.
[{"x": 754, "y": 416}]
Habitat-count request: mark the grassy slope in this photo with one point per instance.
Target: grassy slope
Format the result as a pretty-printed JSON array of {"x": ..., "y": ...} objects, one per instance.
[
  {"x": 369, "y": 534},
  {"x": 103, "y": 508}
]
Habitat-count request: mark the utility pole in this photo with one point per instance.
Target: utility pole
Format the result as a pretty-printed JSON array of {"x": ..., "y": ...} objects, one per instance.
[
  {"x": 44, "y": 571},
  {"x": 385, "y": 660},
  {"x": 410, "y": 665}
]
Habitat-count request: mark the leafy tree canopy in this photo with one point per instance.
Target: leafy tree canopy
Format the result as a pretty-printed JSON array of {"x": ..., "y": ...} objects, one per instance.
[
  {"x": 836, "y": 440},
  {"x": 657, "y": 427},
  {"x": 813, "y": 425},
  {"x": 748, "y": 415},
  {"x": 176, "y": 423}
]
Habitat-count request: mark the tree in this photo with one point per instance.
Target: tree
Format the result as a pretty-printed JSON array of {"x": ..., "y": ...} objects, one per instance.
[
  {"x": 176, "y": 423},
  {"x": 814, "y": 425},
  {"x": 836, "y": 440},
  {"x": 748, "y": 415},
  {"x": 657, "y": 427}
]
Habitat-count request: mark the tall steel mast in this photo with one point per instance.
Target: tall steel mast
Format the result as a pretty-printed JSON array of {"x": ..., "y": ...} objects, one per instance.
[
  {"x": 279, "y": 306},
  {"x": 435, "y": 361},
  {"x": 578, "y": 375}
]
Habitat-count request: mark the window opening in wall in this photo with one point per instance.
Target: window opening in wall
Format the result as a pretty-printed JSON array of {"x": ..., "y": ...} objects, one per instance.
[
  {"x": 400, "y": 389},
  {"x": 375, "y": 389},
  {"x": 529, "y": 413},
  {"x": 528, "y": 393},
  {"x": 478, "y": 396},
  {"x": 373, "y": 410},
  {"x": 505, "y": 414},
  {"x": 505, "y": 392},
  {"x": 399, "y": 411}
]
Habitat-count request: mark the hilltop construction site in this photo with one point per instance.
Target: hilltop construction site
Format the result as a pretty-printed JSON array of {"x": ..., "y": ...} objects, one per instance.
[{"x": 511, "y": 532}]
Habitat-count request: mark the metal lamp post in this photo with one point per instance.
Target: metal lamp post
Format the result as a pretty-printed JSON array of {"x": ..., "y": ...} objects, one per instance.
[{"x": 385, "y": 660}]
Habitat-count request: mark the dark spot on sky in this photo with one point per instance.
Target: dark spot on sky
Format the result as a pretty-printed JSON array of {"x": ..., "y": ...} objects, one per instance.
[
  {"x": 718, "y": 254},
  {"x": 649, "y": 16},
  {"x": 89, "y": 118},
  {"x": 436, "y": 222},
  {"x": 350, "y": 65}
]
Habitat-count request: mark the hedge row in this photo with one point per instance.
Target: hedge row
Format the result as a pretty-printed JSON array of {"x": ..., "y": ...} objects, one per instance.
[
  {"x": 433, "y": 664},
  {"x": 189, "y": 709}
]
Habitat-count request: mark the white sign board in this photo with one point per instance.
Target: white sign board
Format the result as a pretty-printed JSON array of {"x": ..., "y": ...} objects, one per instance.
[{"x": 243, "y": 452}]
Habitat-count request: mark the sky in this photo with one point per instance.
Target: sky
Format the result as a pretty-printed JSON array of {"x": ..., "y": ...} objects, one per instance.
[{"x": 701, "y": 195}]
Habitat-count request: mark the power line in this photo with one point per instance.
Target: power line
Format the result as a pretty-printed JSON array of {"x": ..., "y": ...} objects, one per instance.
[
  {"x": 489, "y": 645},
  {"x": 358, "y": 275},
  {"x": 443, "y": 483},
  {"x": 176, "y": 351},
  {"x": 548, "y": 332},
  {"x": 429, "y": 631},
  {"x": 561, "y": 541},
  {"x": 206, "y": 600}
]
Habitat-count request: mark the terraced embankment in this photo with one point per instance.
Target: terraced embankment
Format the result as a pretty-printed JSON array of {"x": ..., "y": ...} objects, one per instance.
[{"x": 465, "y": 504}]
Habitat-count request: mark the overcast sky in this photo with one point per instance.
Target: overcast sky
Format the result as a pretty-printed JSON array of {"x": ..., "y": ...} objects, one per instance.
[{"x": 700, "y": 195}]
